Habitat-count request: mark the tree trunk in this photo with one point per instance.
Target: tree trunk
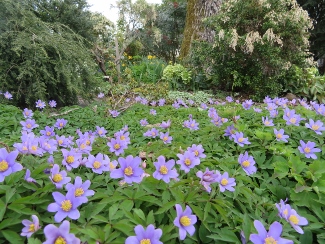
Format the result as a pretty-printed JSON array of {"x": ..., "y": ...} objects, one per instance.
[{"x": 197, "y": 10}]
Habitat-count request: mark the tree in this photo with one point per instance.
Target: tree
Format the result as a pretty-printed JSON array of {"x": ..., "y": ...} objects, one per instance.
[
  {"x": 256, "y": 43},
  {"x": 316, "y": 10},
  {"x": 164, "y": 35},
  {"x": 41, "y": 60},
  {"x": 198, "y": 10}
]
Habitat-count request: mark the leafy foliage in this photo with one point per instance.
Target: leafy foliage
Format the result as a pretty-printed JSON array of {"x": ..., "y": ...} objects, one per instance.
[
  {"x": 255, "y": 44},
  {"x": 177, "y": 76},
  {"x": 41, "y": 60}
]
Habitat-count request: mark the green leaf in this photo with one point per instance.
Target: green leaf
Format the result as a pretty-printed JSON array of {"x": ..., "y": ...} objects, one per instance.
[
  {"x": 139, "y": 213},
  {"x": 33, "y": 241},
  {"x": 225, "y": 235},
  {"x": 12, "y": 236},
  {"x": 150, "y": 218},
  {"x": 166, "y": 207},
  {"x": 3, "y": 208},
  {"x": 9, "y": 194}
]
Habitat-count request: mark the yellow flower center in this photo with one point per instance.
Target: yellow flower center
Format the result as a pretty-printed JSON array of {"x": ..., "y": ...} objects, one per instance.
[
  {"x": 61, "y": 124},
  {"x": 188, "y": 162},
  {"x": 28, "y": 126},
  {"x": 26, "y": 113},
  {"x": 285, "y": 212},
  {"x": 270, "y": 240},
  {"x": 66, "y": 205},
  {"x": 57, "y": 178},
  {"x": 31, "y": 228},
  {"x": 315, "y": 127},
  {"x": 34, "y": 148},
  {"x": 294, "y": 219},
  {"x": 307, "y": 150},
  {"x": 87, "y": 142},
  {"x": 224, "y": 182},
  {"x": 83, "y": 146},
  {"x": 3, "y": 166},
  {"x": 70, "y": 159},
  {"x": 122, "y": 138},
  {"x": 192, "y": 125},
  {"x": 111, "y": 165},
  {"x": 153, "y": 133},
  {"x": 293, "y": 120},
  {"x": 128, "y": 171},
  {"x": 145, "y": 241},
  {"x": 267, "y": 122},
  {"x": 60, "y": 142},
  {"x": 79, "y": 192},
  {"x": 25, "y": 148},
  {"x": 96, "y": 165},
  {"x": 185, "y": 221},
  {"x": 60, "y": 240},
  {"x": 241, "y": 139},
  {"x": 100, "y": 132},
  {"x": 48, "y": 133},
  {"x": 117, "y": 146},
  {"x": 196, "y": 152},
  {"x": 279, "y": 136},
  {"x": 165, "y": 138},
  {"x": 246, "y": 164},
  {"x": 163, "y": 170}
]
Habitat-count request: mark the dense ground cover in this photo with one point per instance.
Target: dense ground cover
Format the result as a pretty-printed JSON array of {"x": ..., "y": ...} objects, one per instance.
[{"x": 235, "y": 182}]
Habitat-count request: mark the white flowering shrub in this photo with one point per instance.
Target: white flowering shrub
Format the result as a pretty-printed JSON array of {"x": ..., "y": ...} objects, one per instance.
[{"x": 256, "y": 43}]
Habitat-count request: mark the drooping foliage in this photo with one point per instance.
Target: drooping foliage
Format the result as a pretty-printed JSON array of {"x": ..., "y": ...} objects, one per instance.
[
  {"x": 39, "y": 59},
  {"x": 256, "y": 42}
]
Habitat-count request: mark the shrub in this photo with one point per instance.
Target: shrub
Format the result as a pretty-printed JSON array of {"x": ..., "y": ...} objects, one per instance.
[
  {"x": 177, "y": 76},
  {"x": 255, "y": 44}
]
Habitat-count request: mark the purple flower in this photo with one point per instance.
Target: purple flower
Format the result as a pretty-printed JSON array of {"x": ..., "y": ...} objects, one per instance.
[
  {"x": 65, "y": 206},
  {"x": 151, "y": 133},
  {"x": 176, "y": 105},
  {"x": 165, "y": 125},
  {"x": 239, "y": 139},
  {"x": 308, "y": 149},
  {"x": 272, "y": 236},
  {"x": 187, "y": 161},
  {"x": 28, "y": 178},
  {"x": 71, "y": 159},
  {"x": 144, "y": 101},
  {"x": 197, "y": 150},
  {"x": 48, "y": 131},
  {"x": 101, "y": 131},
  {"x": 40, "y": 104},
  {"x": 99, "y": 163},
  {"x": 123, "y": 136},
  {"x": 229, "y": 131},
  {"x": 116, "y": 146},
  {"x": 29, "y": 125},
  {"x": 294, "y": 120},
  {"x": 226, "y": 183},
  {"x": 208, "y": 177},
  {"x": 257, "y": 110},
  {"x": 229, "y": 99},
  {"x": 153, "y": 103},
  {"x": 315, "y": 126},
  {"x": 84, "y": 145},
  {"x": 280, "y": 136},
  {"x": 247, "y": 163},
  {"x": 274, "y": 113},
  {"x": 28, "y": 113},
  {"x": 7, "y": 95},
  {"x": 60, "y": 123},
  {"x": 129, "y": 169},
  {"x": 204, "y": 106},
  {"x": 271, "y": 106},
  {"x": 291, "y": 215},
  {"x": 267, "y": 121},
  {"x": 114, "y": 113},
  {"x": 8, "y": 164},
  {"x": 30, "y": 226},
  {"x": 54, "y": 234},
  {"x": 165, "y": 137},
  {"x": 185, "y": 221},
  {"x": 80, "y": 189},
  {"x": 144, "y": 122},
  {"x": 62, "y": 141},
  {"x": 59, "y": 178},
  {"x": 164, "y": 170},
  {"x": 267, "y": 99},
  {"x": 247, "y": 104},
  {"x": 191, "y": 124},
  {"x": 52, "y": 103},
  {"x": 190, "y": 102},
  {"x": 148, "y": 236},
  {"x": 161, "y": 102},
  {"x": 101, "y": 95},
  {"x": 153, "y": 112}
]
